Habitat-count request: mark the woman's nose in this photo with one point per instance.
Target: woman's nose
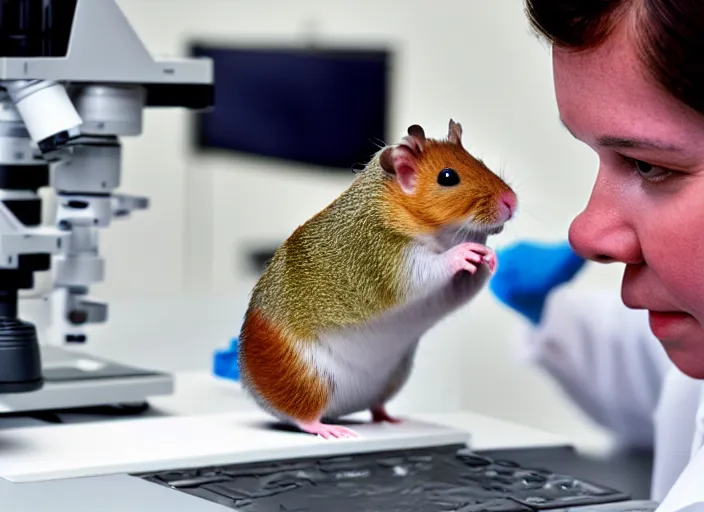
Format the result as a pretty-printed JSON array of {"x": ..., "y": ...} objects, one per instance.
[{"x": 603, "y": 232}]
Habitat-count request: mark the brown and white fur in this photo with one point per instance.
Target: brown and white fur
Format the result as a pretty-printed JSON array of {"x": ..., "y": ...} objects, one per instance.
[{"x": 334, "y": 322}]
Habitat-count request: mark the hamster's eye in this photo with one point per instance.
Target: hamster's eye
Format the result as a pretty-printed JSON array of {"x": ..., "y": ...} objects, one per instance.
[{"x": 448, "y": 178}]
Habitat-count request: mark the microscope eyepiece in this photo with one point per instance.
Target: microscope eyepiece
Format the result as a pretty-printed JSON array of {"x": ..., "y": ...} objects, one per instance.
[
  {"x": 46, "y": 111},
  {"x": 20, "y": 358}
]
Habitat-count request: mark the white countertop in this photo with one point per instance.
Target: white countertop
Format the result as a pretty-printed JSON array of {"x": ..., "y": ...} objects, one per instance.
[
  {"x": 201, "y": 393},
  {"x": 209, "y": 421}
]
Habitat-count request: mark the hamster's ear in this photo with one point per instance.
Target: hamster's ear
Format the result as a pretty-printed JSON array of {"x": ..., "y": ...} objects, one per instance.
[
  {"x": 416, "y": 135},
  {"x": 455, "y": 133},
  {"x": 401, "y": 163}
]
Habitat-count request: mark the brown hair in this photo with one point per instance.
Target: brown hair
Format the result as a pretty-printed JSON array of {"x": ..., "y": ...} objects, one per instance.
[{"x": 669, "y": 35}]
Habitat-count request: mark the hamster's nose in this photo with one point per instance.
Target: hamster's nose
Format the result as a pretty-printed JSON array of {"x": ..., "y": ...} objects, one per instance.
[{"x": 508, "y": 202}]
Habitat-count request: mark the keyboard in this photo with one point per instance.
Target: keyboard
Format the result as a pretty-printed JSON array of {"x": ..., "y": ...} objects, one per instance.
[{"x": 437, "y": 479}]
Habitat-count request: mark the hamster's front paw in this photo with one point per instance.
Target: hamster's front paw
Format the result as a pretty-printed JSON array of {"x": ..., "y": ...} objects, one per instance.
[
  {"x": 490, "y": 260},
  {"x": 468, "y": 256}
]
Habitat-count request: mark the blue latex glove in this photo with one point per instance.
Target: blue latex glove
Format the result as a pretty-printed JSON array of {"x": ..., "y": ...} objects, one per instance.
[
  {"x": 225, "y": 362},
  {"x": 527, "y": 272}
]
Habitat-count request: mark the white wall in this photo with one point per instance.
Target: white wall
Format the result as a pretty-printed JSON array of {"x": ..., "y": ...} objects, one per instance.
[{"x": 473, "y": 60}]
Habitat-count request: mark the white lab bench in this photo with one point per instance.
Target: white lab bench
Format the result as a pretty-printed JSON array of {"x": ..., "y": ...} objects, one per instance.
[
  {"x": 200, "y": 393},
  {"x": 209, "y": 421},
  {"x": 88, "y": 462}
]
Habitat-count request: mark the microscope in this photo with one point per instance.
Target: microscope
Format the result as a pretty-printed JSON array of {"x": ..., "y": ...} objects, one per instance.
[{"x": 74, "y": 78}]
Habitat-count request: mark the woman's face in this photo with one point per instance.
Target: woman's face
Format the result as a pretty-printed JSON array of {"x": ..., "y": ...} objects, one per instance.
[{"x": 647, "y": 204}]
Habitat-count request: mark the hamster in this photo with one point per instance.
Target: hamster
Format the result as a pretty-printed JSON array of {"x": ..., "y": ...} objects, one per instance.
[{"x": 335, "y": 319}]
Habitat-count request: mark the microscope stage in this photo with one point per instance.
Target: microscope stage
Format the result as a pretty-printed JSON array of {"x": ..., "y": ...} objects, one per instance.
[{"x": 73, "y": 380}]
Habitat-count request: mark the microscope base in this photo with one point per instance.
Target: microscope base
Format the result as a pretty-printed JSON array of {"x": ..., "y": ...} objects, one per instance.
[{"x": 73, "y": 380}]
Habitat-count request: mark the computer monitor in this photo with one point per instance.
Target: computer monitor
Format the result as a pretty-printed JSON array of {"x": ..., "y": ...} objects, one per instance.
[{"x": 326, "y": 107}]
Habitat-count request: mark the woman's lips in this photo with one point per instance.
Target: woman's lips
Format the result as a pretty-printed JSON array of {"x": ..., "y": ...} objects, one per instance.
[{"x": 665, "y": 324}]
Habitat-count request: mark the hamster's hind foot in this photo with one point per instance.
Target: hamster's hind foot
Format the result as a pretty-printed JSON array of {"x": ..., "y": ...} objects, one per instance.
[
  {"x": 380, "y": 415},
  {"x": 327, "y": 431}
]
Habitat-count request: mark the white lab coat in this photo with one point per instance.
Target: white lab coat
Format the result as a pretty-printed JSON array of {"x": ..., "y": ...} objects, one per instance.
[{"x": 607, "y": 360}]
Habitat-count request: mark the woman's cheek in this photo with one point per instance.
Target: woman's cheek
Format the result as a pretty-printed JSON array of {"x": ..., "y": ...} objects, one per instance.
[{"x": 676, "y": 257}]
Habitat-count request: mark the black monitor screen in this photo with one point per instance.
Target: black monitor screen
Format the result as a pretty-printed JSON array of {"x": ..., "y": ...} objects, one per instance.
[{"x": 317, "y": 106}]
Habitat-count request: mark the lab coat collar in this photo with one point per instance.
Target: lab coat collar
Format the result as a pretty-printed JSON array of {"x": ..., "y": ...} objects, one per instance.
[{"x": 687, "y": 495}]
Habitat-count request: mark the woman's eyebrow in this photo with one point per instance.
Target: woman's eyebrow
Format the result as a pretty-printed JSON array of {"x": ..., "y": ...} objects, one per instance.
[
  {"x": 620, "y": 142},
  {"x": 616, "y": 142}
]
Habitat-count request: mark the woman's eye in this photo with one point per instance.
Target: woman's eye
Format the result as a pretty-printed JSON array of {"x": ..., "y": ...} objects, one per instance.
[
  {"x": 643, "y": 167},
  {"x": 650, "y": 172}
]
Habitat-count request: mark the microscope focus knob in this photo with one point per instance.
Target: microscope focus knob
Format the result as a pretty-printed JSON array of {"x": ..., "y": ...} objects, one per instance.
[{"x": 20, "y": 358}]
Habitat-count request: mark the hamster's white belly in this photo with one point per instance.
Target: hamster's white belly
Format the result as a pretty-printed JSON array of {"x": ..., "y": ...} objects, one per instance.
[
  {"x": 363, "y": 365},
  {"x": 365, "y": 361}
]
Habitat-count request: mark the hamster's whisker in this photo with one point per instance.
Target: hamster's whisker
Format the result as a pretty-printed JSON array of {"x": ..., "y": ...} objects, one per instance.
[
  {"x": 457, "y": 235},
  {"x": 378, "y": 143},
  {"x": 463, "y": 232}
]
